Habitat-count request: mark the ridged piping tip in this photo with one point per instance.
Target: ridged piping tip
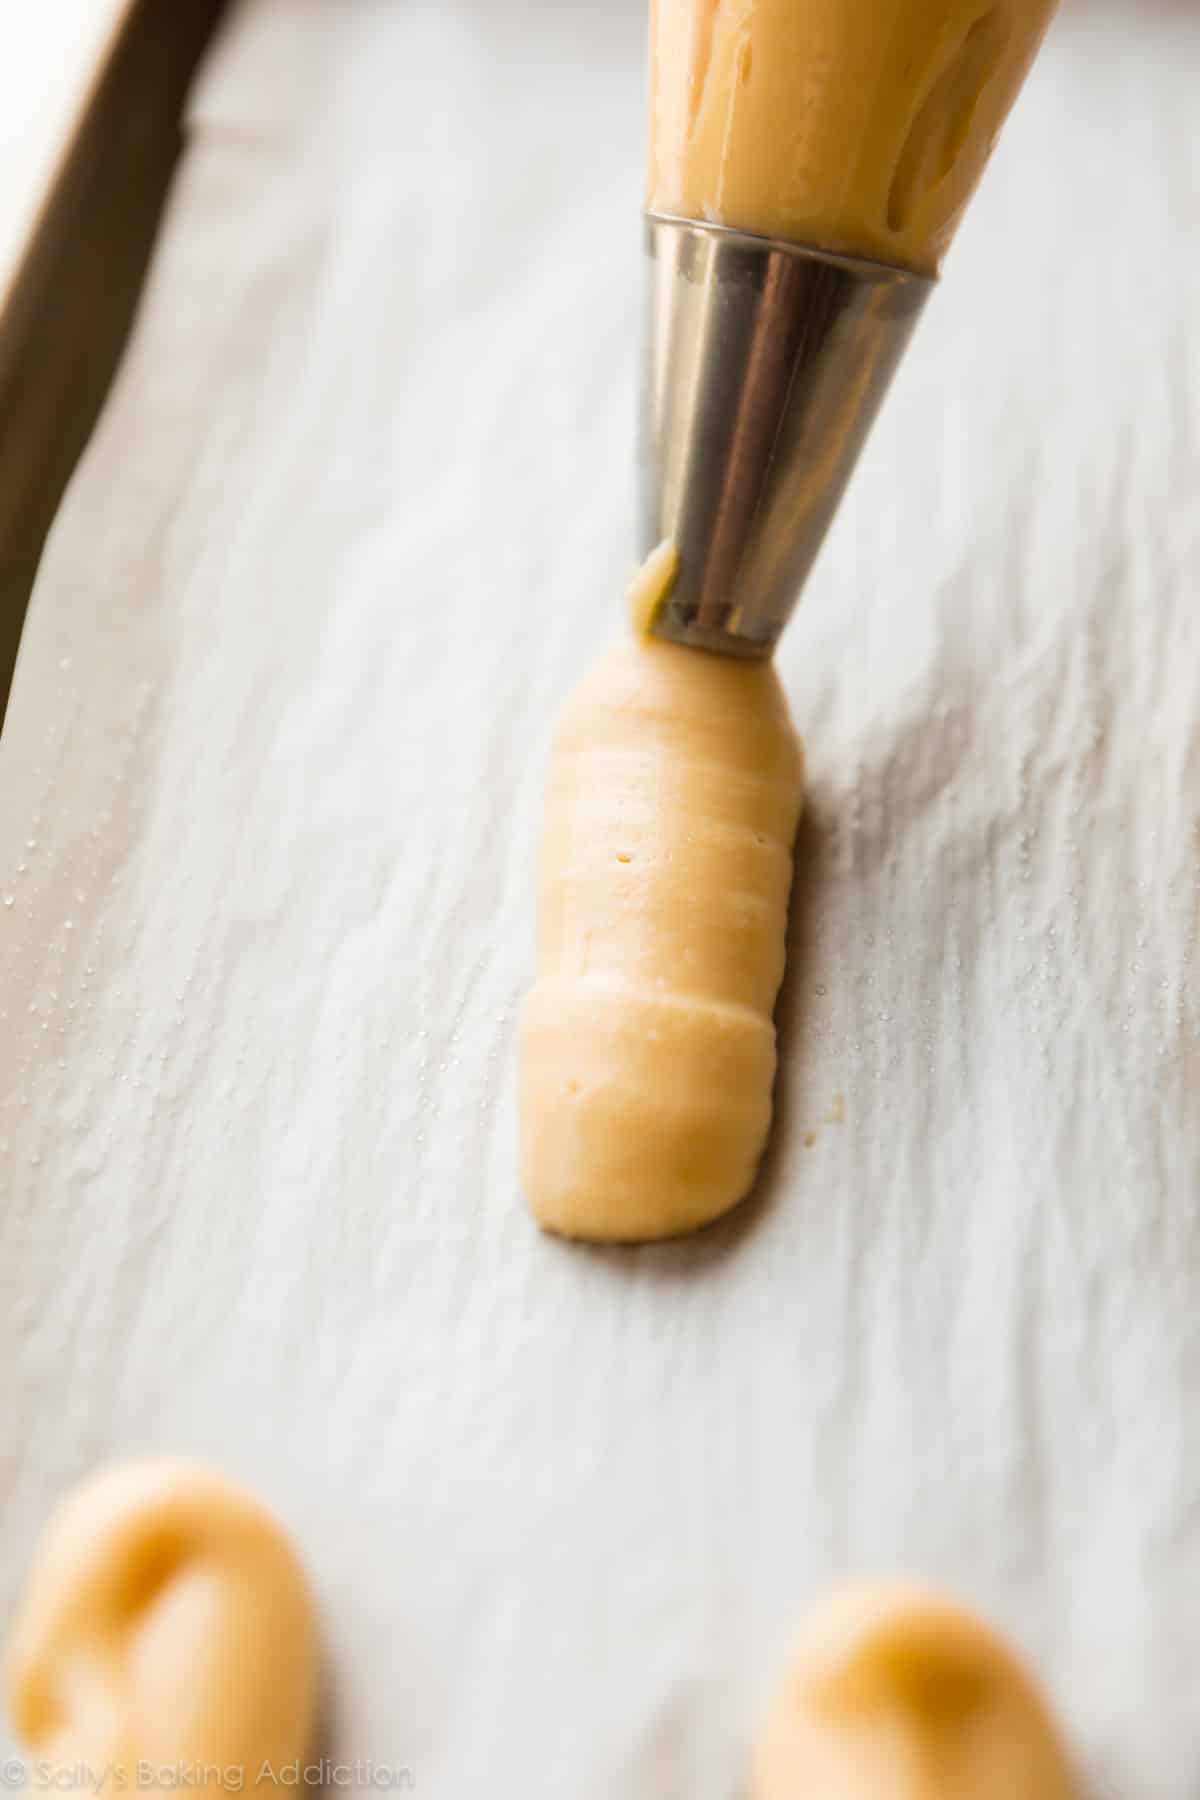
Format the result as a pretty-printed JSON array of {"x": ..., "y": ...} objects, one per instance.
[{"x": 764, "y": 367}]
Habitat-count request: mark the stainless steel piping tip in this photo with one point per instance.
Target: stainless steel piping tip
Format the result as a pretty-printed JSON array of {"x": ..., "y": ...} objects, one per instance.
[{"x": 764, "y": 367}]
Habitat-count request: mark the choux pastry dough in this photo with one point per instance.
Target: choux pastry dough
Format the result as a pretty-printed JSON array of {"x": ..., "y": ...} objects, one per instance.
[
  {"x": 859, "y": 128},
  {"x": 895, "y": 1693},
  {"x": 647, "y": 1051},
  {"x": 166, "y": 1634}
]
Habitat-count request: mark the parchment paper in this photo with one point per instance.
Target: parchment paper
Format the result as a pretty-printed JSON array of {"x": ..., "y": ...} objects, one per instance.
[{"x": 356, "y": 516}]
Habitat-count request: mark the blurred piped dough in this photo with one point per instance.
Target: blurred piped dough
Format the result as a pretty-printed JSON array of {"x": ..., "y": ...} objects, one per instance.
[
  {"x": 648, "y": 1042},
  {"x": 863, "y": 128},
  {"x": 895, "y": 1693},
  {"x": 166, "y": 1623}
]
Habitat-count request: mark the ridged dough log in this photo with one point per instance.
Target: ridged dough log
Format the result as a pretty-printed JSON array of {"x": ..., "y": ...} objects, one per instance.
[{"x": 648, "y": 1042}]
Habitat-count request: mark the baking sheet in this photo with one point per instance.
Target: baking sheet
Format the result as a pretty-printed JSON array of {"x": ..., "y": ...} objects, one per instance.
[
  {"x": 355, "y": 517},
  {"x": 91, "y": 93}
]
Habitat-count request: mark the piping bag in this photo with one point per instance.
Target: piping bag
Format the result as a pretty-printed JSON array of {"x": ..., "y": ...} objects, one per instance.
[{"x": 809, "y": 162}]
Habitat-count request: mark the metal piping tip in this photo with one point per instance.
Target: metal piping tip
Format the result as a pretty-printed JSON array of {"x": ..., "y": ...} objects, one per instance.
[{"x": 764, "y": 367}]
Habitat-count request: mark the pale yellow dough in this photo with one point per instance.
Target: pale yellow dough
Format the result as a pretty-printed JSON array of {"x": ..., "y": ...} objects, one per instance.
[
  {"x": 648, "y": 1044},
  {"x": 895, "y": 1693},
  {"x": 651, "y": 586},
  {"x": 862, "y": 126},
  {"x": 166, "y": 1627}
]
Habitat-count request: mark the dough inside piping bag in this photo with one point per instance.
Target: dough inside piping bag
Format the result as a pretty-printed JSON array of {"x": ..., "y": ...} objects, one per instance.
[{"x": 863, "y": 129}]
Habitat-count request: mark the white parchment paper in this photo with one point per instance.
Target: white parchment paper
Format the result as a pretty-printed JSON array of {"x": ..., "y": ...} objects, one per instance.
[{"x": 356, "y": 516}]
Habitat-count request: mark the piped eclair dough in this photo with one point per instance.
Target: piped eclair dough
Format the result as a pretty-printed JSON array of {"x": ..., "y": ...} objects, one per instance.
[
  {"x": 896, "y": 1693},
  {"x": 166, "y": 1626},
  {"x": 648, "y": 1044},
  {"x": 861, "y": 126}
]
